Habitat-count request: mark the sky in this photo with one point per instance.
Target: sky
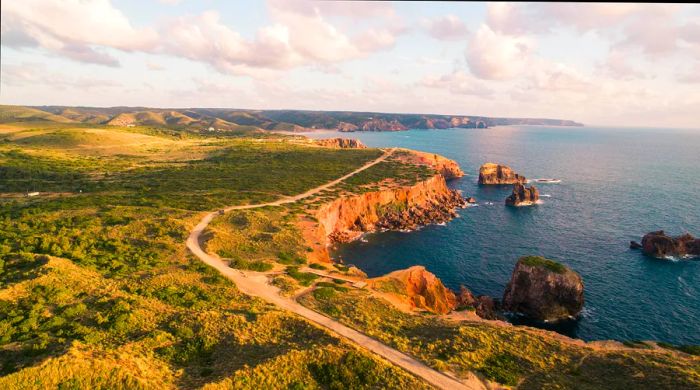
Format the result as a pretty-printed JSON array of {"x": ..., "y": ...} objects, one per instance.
[{"x": 610, "y": 64}]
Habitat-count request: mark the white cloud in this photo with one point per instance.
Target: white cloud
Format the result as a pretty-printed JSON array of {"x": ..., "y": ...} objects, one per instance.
[
  {"x": 457, "y": 82},
  {"x": 496, "y": 56},
  {"x": 448, "y": 27},
  {"x": 618, "y": 67},
  {"x": 28, "y": 74},
  {"x": 72, "y": 28}
]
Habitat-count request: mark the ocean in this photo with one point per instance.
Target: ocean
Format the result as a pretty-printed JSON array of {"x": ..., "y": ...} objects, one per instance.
[{"x": 616, "y": 185}]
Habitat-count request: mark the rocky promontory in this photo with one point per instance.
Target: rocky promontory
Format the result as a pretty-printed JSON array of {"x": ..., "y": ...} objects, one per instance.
[
  {"x": 340, "y": 143},
  {"x": 659, "y": 244},
  {"x": 543, "y": 290},
  {"x": 494, "y": 174},
  {"x": 418, "y": 288},
  {"x": 523, "y": 196},
  {"x": 449, "y": 169},
  {"x": 403, "y": 208},
  {"x": 392, "y": 207}
]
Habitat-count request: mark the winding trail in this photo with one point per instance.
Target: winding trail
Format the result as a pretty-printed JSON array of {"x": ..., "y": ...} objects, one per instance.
[{"x": 256, "y": 284}]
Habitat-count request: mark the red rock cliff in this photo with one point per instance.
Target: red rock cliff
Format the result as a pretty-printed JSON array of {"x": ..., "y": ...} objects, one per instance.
[
  {"x": 446, "y": 167},
  {"x": 428, "y": 201},
  {"x": 417, "y": 288}
]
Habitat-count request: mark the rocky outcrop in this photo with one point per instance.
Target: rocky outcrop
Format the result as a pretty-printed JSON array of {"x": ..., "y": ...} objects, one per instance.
[
  {"x": 659, "y": 244},
  {"x": 341, "y": 143},
  {"x": 449, "y": 169},
  {"x": 346, "y": 127},
  {"x": 484, "y": 306},
  {"x": 418, "y": 288},
  {"x": 544, "y": 290},
  {"x": 491, "y": 173},
  {"x": 402, "y": 208},
  {"x": 383, "y": 125},
  {"x": 523, "y": 196},
  {"x": 635, "y": 245}
]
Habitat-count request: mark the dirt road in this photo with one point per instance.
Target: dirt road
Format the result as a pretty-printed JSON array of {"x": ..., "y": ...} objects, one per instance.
[{"x": 256, "y": 284}]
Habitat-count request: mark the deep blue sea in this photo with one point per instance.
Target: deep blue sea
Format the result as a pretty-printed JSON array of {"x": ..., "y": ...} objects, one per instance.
[{"x": 616, "y": 185}]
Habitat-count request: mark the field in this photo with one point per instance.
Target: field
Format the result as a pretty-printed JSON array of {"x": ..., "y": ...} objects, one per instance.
[
  {"x": 526, "y": 357},
  {"x": 98, "y": 291}
]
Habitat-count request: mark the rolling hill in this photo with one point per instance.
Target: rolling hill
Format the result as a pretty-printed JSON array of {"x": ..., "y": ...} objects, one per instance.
[{"x": 222, "y": 119}]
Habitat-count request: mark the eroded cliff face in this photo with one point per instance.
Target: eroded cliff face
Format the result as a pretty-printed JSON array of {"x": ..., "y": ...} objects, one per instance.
[
  {"x": 449, "y": 169},
  {"x": 340, "y": 143},
  {"x": 544, "y": 290},
  {"x": 428, "y": 201},
  {"x": 417, "y": 288},
  {"x": 492, "y": 173}
]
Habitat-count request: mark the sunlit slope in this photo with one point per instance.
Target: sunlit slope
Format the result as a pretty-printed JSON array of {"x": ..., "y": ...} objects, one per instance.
[{"x": 9, "y": 114}]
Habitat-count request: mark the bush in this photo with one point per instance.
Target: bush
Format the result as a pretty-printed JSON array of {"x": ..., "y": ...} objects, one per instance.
[
  {"x": 318, "y": 266},
  {"x": 539, "y": 261},
  {"x": 290, "y": 258},
  {"x": 304, "y": 278},
  {"x": 503, "y": 368}
]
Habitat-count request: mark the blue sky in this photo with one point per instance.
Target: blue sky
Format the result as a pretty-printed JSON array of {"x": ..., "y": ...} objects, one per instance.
[{"x": 607, "y": 64}]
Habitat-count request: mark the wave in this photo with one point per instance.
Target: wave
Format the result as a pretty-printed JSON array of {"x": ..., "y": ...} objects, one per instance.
[
  {"x": 545, "y": 181},
  {"x": 546, "y": 195}
]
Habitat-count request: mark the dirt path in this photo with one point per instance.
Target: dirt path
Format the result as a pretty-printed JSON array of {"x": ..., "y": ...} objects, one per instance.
[{"x": 256, "y": 284}]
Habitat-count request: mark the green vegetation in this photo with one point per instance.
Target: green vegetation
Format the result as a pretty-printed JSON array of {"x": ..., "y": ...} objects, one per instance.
[
  {"x": 689, "y": 349},
  {"x": 250, "y": 238},
  {"x": 530, "y": 358},
  {"x": 97, "y": 289},
  {"x": 539, "y": 261},
  {"x": 304, "y": 278}
]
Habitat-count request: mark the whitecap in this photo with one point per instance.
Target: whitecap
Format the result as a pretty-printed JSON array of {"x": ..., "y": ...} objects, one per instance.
[{"x": 546, "y": 195}]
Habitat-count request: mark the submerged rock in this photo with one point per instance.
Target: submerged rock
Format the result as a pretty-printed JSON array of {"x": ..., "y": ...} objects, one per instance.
[
  {"x": 544, "y": 290},
  {"x": 523, "y": 196},
  {"x": 659, "y": 244},
  {"x": 635, "y": 245},
  {"x": 491, "y": 173}
]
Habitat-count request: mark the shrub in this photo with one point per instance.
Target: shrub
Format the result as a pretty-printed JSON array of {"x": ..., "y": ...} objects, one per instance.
[
  {"x": 539, "y": 261},
  {"x": 290, "y": 258},
  {"x": 304, "y": 278},
  {"x": 503, "y": 368},
  {"x": 317, "y": 266}
]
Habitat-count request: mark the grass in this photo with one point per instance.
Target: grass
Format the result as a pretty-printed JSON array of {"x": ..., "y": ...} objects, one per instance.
[
  {"x": 261, "y": 236},
  {"x": 304, "y": 278},
  {"x": 532, "y": 359},
  {"x": 97, "y": 289},
  {"x": 539, "y": 261}
]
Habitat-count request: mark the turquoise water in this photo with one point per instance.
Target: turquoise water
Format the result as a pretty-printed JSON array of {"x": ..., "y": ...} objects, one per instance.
[{"x": 617, "y": 184}]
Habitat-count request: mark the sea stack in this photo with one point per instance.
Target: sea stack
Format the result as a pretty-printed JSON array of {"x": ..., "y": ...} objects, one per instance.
[
  {"x": 658, "y": 244},
  {"x": 494, "y": 174},
  {"x": 544, "y": 290},
  {"x": 523, "y": 196}
]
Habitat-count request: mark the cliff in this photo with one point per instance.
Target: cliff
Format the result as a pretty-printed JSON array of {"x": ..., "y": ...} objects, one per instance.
[
  {"x": 492, "y": 173},
  {"x": 340, "y": 143},
  {"x": 428, "y": 201},
  {"x": 417, "y": 288},
  {"x": 543, "y": 290},
  {"x": 449, "y": 169}
]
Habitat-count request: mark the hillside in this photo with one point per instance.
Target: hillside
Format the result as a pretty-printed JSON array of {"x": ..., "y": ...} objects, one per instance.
[
  {"x": 285, "y": 120},
  {"x": 98, "y": 290}
]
